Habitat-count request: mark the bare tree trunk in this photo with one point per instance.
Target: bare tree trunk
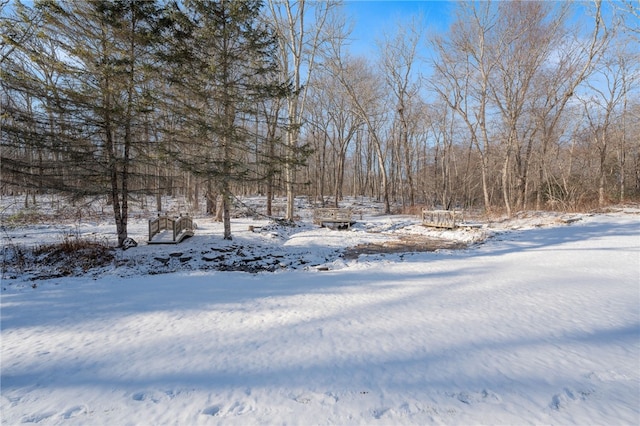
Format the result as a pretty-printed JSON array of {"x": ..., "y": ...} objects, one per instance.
[
  {"x": 298, "y": 47},
  {"x": 226, "y": 210},
  {"x": 601, "y": 173},
  {"x": 505, "y": 180},
  {"x": 211, "y": 199}
]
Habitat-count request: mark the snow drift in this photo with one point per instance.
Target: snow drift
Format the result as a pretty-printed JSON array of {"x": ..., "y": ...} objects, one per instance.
[{"x": 536, "y": 325}]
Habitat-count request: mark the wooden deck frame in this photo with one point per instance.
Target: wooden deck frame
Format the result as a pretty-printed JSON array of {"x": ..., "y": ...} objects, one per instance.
[
  {"x": 441, "y": 218},
  {"x": 333, "y": 218}
]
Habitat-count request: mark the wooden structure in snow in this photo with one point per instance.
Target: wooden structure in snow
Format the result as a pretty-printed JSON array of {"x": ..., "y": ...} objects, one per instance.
[
  {"x": 170, "y": 230},
  {"x": 441, "y": 218},
  {"x": 333, "y": 218}
]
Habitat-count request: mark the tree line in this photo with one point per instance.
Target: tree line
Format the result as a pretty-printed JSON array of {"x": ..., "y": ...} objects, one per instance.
[{"x": 516, "y": 105}]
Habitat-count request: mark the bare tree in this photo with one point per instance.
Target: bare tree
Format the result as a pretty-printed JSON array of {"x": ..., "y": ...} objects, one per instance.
[
  {"x": 630, "y": 13},
  {"x": 605, "y": 106},
  {"x": 522, "y": 41},
  {"x": 462, "y": 70},
  {"x": 575, "y": 62},
  {"x": 334, "y": 123},
  {"x": 368, "y": 102},
  {"x": 398, "y": 55},
  {"x": 497, "y": 61},
  {"x": 299, "y": 39}
]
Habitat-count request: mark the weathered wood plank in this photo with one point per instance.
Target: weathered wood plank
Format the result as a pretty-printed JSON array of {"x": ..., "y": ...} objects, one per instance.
[
  {"x": 333, "y": 217},
  {"x": 441, "y": 218}
]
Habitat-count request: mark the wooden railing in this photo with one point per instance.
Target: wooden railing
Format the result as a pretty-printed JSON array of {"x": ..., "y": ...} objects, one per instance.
[
  {"x": 441, "y": 218},
  {"x": 323, "y": 216},
  {"x": 177, "y": 225}
]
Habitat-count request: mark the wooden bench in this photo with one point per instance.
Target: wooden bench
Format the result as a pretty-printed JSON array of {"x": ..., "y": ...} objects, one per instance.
[
  {"x": 333, "y": 218},
  {"x": 441, "y": 218},
  {"x": 170, "y": 230}
]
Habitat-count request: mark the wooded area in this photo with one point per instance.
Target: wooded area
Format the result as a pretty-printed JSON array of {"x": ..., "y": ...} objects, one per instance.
[{"x": 518, "y": 105}]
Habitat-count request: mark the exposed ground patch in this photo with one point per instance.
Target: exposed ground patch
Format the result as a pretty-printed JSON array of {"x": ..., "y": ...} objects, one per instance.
[{"x": 405, "y": 244}]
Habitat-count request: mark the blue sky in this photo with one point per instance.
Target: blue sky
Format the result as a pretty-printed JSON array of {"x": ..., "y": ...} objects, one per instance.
[{"x": 372, "y": 17}]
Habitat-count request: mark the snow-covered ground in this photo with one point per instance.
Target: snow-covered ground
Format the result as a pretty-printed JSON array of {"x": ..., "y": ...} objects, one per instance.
[{"x": 537, "y": 322}]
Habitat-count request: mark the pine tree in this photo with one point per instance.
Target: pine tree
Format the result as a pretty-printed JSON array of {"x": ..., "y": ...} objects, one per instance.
[
  {"x": 102, "y": 49},
  {"x": 222, "y": 66}
]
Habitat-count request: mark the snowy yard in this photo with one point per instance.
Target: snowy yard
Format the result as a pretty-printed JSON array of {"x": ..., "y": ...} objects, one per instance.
[{"x": 537, "y": 324}]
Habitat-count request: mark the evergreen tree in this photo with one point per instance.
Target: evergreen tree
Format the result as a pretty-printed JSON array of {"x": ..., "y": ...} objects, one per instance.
[
  {"x": 221, "y": 63},
  {"x": 89, "y": 95},
  {"x": 22, "y": 119}
]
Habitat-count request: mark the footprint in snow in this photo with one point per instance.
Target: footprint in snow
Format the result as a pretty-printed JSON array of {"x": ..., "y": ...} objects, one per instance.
[
  {"x": 302, "y": 399},
  {"x": 378, "y": 413},
  {"x": 327, "y": 398},
  {"x": 213, "y": 410},
  {"x": 75, "y": 411},
  {"x": 405, "y": 410},
  {"x": 140, "y": 396},
  {"x": 238, "y": 408},
  {"x": 567, "y": 396},
  {"x": 37, "y": 418},
  {"x": 152, "y": 396},
  {"x": 485, "y": 396},
  {"x": 606, "y": 376}
]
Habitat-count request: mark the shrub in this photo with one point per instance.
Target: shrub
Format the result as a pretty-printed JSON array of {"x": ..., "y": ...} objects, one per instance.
[{"x": 71, "y": 256}]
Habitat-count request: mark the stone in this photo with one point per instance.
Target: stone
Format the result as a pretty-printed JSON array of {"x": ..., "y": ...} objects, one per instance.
[{"x": 129, "y": 243}]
